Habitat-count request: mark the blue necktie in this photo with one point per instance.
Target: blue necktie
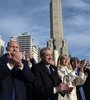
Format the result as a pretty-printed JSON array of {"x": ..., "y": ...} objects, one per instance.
[
  {"x": 81, "y": 87},
  {"x": 13, "y": 94},
  {"x": 82, "y": 93}
]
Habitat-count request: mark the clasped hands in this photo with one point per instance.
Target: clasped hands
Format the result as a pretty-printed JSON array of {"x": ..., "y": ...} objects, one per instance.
[
  {"x": 64, "y": 88},
  {"x": 15, "y": 58}
]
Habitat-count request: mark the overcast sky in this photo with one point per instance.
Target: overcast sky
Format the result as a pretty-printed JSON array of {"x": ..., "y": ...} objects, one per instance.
[{"x": 32, "y": 16}]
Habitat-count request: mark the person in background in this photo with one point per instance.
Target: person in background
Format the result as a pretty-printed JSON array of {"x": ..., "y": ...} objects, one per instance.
[
  {"x": 80, "y": 77},
  {"x": 47, "y": 83},
  {"x": 30, "y": 59},
  {"x": 86, "y": 85},
  {"x": 15, "y": 74}
]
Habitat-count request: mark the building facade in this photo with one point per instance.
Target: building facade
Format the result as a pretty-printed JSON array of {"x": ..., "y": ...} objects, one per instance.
[
  {"x": 1, "y": 46},
  {"x": 25, "y": 41},
  {"x": 36, "y": 52}
]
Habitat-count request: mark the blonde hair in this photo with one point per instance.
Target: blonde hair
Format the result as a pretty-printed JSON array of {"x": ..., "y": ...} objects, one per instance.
[{"x": 59, "y": 61}]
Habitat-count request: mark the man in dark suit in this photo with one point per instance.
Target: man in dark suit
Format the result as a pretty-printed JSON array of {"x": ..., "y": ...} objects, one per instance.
[
  {"x": 14, "y": 74},
  {"x": 47, "y": 83},
  {"x": 87, "y": 82}
]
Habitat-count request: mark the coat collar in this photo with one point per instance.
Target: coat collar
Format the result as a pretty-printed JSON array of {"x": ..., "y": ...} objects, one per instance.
[
  {"x": 45, "y": 69},
  {"x": 4, "y": 58}
]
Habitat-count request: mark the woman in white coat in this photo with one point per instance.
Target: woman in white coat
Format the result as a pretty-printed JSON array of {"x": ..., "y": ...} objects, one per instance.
[{"x": 69, "y": 77}]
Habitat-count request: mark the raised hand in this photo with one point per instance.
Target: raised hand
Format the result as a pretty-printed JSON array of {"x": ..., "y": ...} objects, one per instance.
[{"x": 15, "y": 58}]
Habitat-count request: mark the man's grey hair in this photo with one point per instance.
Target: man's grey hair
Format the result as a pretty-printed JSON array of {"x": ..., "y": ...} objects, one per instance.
[
  {"x": 43, "y": 50},
  {"x": 8, "y": 44}
]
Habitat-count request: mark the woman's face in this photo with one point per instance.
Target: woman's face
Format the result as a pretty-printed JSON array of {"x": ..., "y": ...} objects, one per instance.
[{"x": 64, "y": 61}]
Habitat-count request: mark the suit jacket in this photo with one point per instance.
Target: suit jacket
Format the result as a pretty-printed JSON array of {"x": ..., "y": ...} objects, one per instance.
[
  {"x": 45, "y": 82},
  {"x": 14, "y": 78},
  {"x": 87, "y": 85}
]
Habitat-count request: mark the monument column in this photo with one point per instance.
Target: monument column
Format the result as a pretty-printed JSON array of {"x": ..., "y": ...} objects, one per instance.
[
  {"x": 56, "y": 26},
  {"x": 56, "y": 30}
]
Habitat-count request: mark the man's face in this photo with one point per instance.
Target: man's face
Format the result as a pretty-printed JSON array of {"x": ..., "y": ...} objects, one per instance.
[
  {"x": 47, "y": 57},
  {"x": 13, "y": 47}
]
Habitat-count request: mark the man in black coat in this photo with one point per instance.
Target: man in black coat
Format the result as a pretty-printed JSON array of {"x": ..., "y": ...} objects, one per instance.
[
  {"x": 87, "y": 82},
  {"x": 14, "y": 74},
  {"x": 47, "y": 83}
]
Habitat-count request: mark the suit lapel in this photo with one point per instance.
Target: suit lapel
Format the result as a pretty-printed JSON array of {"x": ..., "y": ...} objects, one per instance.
[{"x": 45, "y": 70}]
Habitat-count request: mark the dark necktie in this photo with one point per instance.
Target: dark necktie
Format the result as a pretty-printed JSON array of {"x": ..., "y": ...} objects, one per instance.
[{"x": 13, "y": 90}]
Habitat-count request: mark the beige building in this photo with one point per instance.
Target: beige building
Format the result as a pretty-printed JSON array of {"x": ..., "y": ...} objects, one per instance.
[
  {"x": 1, "y": 46},
  {"x": 36, "y": 53}
]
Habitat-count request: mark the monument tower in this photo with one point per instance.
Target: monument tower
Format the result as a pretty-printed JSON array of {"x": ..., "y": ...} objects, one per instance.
[
  {"x": 56, "y": 26},
  {"x": 56, "y": 41}
]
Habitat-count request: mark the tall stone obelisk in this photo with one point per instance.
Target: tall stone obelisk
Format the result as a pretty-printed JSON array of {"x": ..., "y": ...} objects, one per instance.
[
  {"x": 56, "y": 25},
  {"x": 56, "y": 42}
]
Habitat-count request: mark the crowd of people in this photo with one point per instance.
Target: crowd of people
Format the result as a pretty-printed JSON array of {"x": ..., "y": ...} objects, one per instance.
[{"x": 24, "y": 79}]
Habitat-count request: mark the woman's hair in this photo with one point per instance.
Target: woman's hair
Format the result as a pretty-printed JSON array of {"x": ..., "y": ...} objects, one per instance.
[
  {"x": 59, "y": 62},
  {"x": 60, "y": 58}
]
